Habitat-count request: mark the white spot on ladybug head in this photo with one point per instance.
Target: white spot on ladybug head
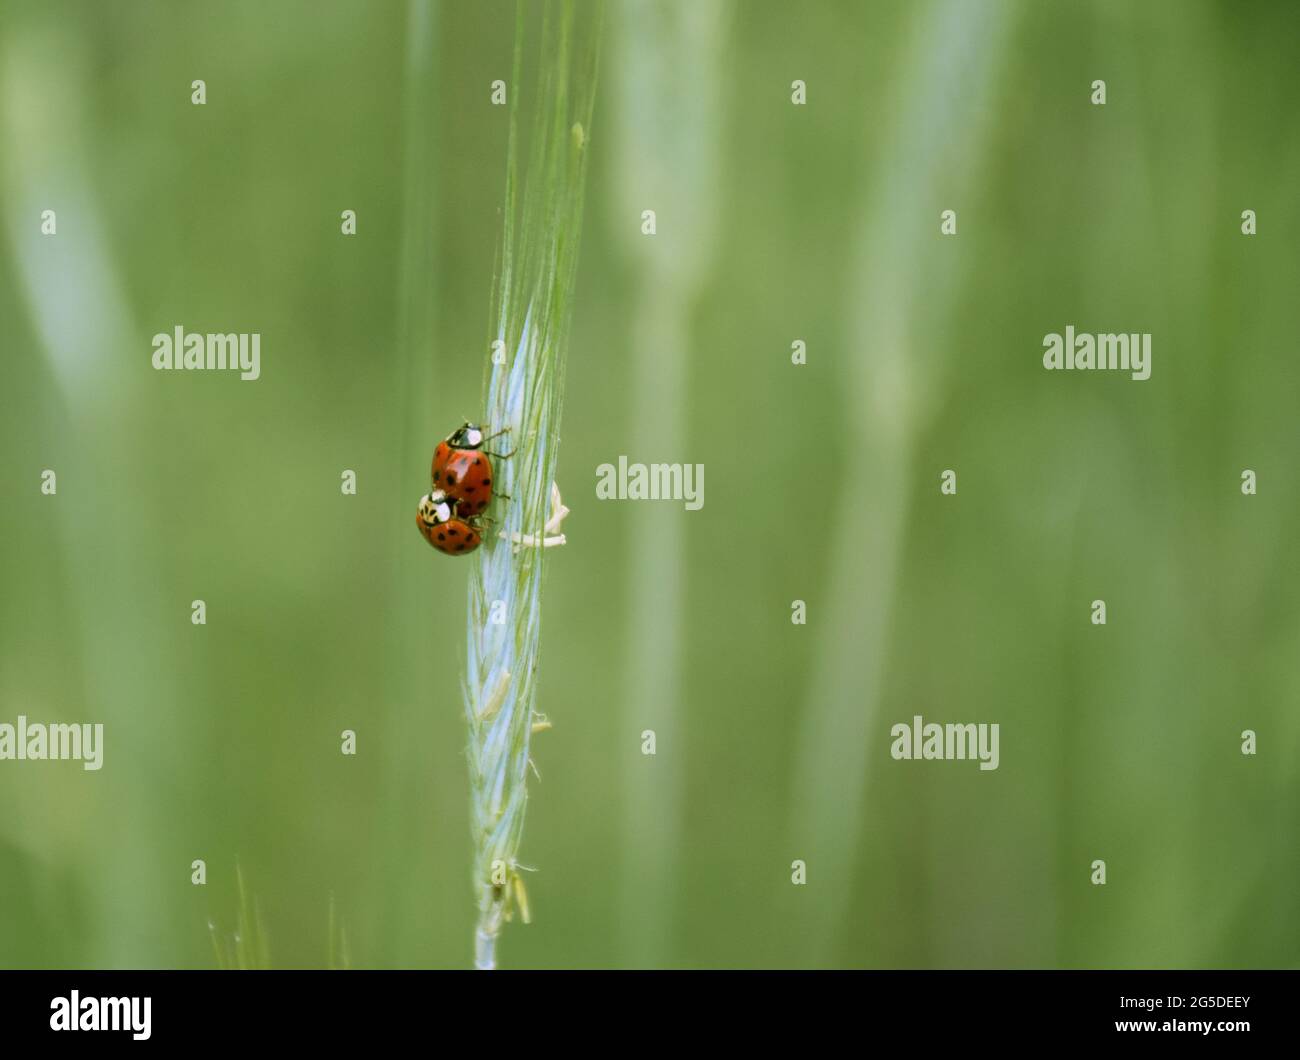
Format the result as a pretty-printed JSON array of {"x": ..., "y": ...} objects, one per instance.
[
  {"x": 473, "y": 437},
  {"x": 435, "y": 508},
  {"x": 439, "y": 507}
]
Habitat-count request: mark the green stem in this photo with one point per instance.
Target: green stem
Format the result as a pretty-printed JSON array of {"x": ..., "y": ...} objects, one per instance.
[{"x": 532, "y": 304}]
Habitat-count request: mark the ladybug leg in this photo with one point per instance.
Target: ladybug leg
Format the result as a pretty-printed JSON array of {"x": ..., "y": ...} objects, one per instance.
[{"x": 497, "y": 434}]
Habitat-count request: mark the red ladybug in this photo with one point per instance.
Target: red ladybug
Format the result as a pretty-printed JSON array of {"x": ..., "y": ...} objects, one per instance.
[
  {"x": 462, "y": 470},
  {"x": 440, "y": 522}
]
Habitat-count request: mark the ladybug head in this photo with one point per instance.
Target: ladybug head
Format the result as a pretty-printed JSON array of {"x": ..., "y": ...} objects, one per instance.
[
  {"x": 466, "y": 436},
  {"x": 435, "y": 508}
]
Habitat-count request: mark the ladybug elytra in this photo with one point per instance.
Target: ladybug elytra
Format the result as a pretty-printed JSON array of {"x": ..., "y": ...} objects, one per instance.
[{"x": 462, "y": 469}]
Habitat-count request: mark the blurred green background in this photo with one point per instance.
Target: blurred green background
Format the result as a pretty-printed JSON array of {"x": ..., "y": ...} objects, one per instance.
[{"x": 775, "y": 223}]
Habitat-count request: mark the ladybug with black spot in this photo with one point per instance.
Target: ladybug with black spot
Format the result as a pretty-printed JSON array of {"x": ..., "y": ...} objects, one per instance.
[
  {"x": 462, "y": 468},
  {"x": 439, "y": 520}
]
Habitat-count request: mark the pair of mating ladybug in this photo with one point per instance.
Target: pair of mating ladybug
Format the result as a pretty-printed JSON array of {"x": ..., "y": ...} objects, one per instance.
[{"x": 448, "y": 517}]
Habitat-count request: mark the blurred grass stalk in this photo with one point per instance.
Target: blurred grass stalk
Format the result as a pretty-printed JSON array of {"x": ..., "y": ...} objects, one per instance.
[
  {"x": 113, "y": 602},
  {"x": 387, "y": 922},
  {"x": 667, "y": 155},
  {"x": 531, "y": 307},
  {"x": 896, "y": 292}
]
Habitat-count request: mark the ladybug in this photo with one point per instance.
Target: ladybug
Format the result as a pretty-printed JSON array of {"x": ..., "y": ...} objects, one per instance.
[
  {"x": 442, "y": 526},
  {"x": 462, "y": 470}
]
